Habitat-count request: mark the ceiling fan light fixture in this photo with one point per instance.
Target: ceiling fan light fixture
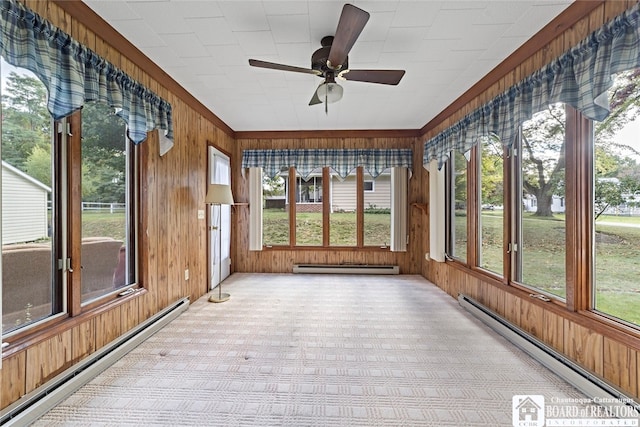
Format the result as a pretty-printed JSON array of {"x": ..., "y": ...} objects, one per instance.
[{"x": 330, "y": 92}]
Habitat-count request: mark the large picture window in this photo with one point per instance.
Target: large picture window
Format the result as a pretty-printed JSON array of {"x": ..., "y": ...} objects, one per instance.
[
  {"x": 69, "y": 197},
  {"x": 324, "y": 209},
  {"x": 539, "y": 243},
  {"x": 616, "y": 202}
]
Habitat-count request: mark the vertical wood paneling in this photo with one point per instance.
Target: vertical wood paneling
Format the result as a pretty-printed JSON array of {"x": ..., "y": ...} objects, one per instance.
[
  {"x": 553, "y": 330},
  {"x": 108, "y": 327},
  {"x": 512, "y": 308},
  {"x": 13, "y": 378},
  {"x": 584, "y": 346},
  {"x": 46, "y": 359},
  {"x": 83, "y": 339},
  {"x": 620, "y": 365},
  {"x": 129, "y": 315}
]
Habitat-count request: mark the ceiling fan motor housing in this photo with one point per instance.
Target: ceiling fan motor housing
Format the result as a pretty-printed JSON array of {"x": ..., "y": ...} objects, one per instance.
[{"x": 320, "y": 57}]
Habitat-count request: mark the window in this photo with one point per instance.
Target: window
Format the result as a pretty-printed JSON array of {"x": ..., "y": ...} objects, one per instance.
[
  {"x": 456, "y": 241},
  {"x": 616, "y": 203},
  {"x": 308, "y": 209},
  {"x": 275, "y": 212},
  {"x": 69, "y": 197},
  {"x": 377, "y": 210},
  {"x": 106, "y": 212},
  {"x": 30, "y": 291},
  {"x": 325, "y": 210},
  {"x": 343, "y": 217},
  {"x": 491, "y": 205},
  {"x": 539, "y": 243}
]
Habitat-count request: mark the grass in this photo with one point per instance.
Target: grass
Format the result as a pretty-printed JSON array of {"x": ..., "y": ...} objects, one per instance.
[
  {"x": 342, "y": 230},
  {"x": 103, "y": 224}
]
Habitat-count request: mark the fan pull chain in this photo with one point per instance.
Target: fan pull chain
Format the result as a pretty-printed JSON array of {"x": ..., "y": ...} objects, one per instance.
[{"x": 326, "y": 102}]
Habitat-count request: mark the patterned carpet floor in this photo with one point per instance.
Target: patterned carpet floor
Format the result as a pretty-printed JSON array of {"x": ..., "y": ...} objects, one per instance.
[{"x": 316, "y": 350}]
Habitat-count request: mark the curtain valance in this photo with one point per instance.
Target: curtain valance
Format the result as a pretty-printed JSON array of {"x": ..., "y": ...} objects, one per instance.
[
  {"x": 342, "y": 161},
  {"x": 580, "y": 77},
  {"x": 73, "y": 74}
]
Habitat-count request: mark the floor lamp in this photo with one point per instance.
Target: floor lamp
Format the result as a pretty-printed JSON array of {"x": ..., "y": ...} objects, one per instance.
[{"x": 219, "y": 194}]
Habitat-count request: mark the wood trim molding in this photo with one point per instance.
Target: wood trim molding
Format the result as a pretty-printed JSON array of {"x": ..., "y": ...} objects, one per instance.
[
  {"x": 570, "y": 16},
  {"x": 302, "y": 134},
  {"x": 83, "y": 13}
]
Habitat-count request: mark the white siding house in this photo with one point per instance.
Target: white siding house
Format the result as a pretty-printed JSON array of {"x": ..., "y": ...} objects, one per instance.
[
  {"x": 377, "y": 193},
  {"x": 24, "y": 206},
  {"x": 531, "y": 203},
  {"x": 342, "y": 193}
]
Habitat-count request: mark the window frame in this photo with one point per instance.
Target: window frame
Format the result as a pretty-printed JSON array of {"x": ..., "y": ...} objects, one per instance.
[
  {"x": 373, "y": 186},
  {"x": 292, "y": 180},
  {"x": 66, "y": 139}
]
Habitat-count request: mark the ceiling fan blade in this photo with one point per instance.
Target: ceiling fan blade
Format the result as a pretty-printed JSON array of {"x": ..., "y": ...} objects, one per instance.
[
  {"x": 385, "y": 77},
  {"x": 351, "y": 24},
  {"x": 274, "y": 66},
  {"x": 315, "y": 99}
]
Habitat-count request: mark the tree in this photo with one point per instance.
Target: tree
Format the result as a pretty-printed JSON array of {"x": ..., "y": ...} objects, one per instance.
[
  {"x": 38, "y": 164},
  {"x": 103, "y": 154},
  {"x": 460, "y": 181},
  {"x": 492, "y": 181},
  {"x": 608, "y": 193},
  {"x": 26, "y": 122},
  {"x": 543, "y": 156},
  {"x": 543, "y": 147},
  {"x": 273, "y": 186}
]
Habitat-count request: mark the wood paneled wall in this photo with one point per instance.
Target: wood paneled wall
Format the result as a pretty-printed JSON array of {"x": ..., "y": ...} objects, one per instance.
[
  {"x": 172, "y": 237},
  {"x": 282, "y": 260},
  {"x": 610, "y": 353}
]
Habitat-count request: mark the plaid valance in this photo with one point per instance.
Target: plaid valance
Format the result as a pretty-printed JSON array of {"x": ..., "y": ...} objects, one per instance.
[
  {"x": 73, "y": 74},
  {"x": 580, "y": 78},
  {"x": 342, "y": 161}
]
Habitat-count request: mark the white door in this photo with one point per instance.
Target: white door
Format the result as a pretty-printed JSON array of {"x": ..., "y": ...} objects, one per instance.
[{"x": 219, "y": 221}]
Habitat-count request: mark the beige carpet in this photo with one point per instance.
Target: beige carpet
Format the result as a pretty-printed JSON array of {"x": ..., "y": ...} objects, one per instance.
[{"x": 316, "y": 350}]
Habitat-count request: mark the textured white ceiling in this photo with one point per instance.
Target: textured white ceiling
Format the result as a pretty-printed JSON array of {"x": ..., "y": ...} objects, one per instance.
[{"x": 444, "y": 46}]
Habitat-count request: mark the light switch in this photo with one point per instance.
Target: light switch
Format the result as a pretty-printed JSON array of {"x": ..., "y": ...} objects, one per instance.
[{"x": 200, "y": 214}]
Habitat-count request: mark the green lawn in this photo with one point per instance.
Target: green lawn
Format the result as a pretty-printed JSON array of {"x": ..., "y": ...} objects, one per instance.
[
  {"x": 275, "y": 228},
  {"x": 103, "y": 224}
]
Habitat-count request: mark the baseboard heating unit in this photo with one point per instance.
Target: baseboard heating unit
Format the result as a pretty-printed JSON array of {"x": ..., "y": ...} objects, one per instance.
[
  {"x": 33, "y": 405},
  {"x": 592, "y": 386},
  {"x": 346, "y": 269}
]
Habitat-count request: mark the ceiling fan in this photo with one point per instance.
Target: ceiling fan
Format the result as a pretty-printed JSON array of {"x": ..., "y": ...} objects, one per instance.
[{"x": 331, "y": 61}]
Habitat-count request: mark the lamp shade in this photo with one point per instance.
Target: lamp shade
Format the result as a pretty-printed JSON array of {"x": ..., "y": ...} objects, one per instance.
[
  {"x": 330, "y": 92},
  {"x": 219, "y": 194}
]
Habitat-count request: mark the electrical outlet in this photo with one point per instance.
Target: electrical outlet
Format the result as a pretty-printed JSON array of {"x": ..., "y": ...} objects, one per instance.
[
  {"x": 200, "y": 213},
  {"x": 186, "y": 274},
  {"x": 426, "y": 256}
]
